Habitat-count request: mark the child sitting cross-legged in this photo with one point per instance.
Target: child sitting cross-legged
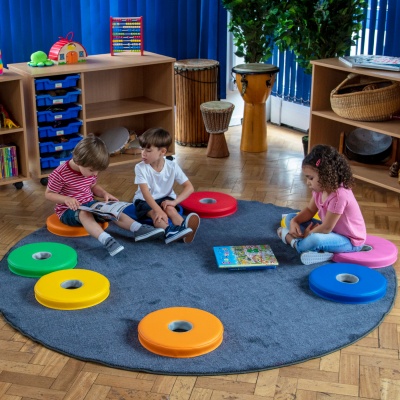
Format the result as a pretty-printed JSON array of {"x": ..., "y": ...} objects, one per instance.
[
  {"x": 342, "y": 228},
  {"x": 74, "y": 183},
  {"x": 155, "y": 197}
]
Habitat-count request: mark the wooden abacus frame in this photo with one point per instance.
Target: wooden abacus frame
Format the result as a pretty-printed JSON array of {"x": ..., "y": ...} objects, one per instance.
[{"x": 129, "y": 38}]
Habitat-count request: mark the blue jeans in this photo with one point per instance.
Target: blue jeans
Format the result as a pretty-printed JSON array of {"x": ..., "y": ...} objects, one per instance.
[
  {"x": 71, "y": 217},
  {"x": 330, "y": 242}
]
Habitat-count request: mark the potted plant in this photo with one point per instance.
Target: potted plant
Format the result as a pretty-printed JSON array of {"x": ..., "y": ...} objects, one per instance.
[
  {"x": 253, "y": 24},
  {"x": 317, "y": 29}
]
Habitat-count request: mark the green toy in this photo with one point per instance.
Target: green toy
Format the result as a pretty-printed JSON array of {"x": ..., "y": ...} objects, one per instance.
[{"x": 39, "y": 59}]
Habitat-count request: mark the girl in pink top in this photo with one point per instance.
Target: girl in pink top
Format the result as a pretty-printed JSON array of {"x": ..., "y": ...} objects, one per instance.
[{"x": 341, "y": 228}]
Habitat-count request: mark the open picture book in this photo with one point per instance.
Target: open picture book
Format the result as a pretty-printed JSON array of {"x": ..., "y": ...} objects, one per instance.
[
  {"x": 107, "y": 209},
  {"x": 246, "y": 257},
  {"x": 370, "y": 61}
]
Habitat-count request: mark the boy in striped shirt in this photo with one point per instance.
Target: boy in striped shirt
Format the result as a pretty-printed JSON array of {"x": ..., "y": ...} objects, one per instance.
[{"x": 74, "y": 183}]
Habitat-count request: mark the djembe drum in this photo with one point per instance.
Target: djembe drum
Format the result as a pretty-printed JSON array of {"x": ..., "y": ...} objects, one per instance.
[
  {"x": 254, "y": 82},
  {"x": 216, "y": 117},
  {"x": 195, "y": 83}
]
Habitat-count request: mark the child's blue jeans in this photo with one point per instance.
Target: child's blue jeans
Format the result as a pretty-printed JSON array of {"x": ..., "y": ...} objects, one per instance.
[{"x": 330, "y": 242}]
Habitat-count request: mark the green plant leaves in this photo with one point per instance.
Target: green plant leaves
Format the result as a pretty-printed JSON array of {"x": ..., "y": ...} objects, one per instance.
[{"x": 313, "y": 29}]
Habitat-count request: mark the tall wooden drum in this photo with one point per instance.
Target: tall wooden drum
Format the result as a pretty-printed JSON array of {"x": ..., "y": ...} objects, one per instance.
[
  {"x": 254, "y": 82},
  {"x": 195, "y": 83}
]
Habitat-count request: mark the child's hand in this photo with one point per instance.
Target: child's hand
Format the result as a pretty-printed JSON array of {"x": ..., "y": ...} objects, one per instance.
[
  {"x": 161, "y": 216},
  {"x": 72, "y": 203},
  {"x": 309, "y": 228},
  {"x": 109, "y": 197},
  {"x": 167, "y": 203},
  {"x": 295, "y": 229}
]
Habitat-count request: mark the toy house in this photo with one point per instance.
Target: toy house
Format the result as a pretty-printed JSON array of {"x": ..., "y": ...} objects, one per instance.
[{"x": 67, "y": 51}]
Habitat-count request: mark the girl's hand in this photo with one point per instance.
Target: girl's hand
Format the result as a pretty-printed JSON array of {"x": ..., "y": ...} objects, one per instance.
[
  {"x": 295, "y": 229},
  {"x": 309, "y": 228},
  {"x": 72, "y": 203}
]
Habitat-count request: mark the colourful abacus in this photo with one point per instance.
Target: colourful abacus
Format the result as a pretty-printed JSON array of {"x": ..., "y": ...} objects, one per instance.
[{"x": 126, "y": 35}]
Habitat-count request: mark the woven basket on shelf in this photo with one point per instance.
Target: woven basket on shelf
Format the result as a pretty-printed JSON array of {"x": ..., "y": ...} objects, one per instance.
[{"x": 368, "y": 101}]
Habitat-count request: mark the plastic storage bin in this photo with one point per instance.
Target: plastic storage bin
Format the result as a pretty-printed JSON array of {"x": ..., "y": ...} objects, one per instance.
[
  {"x": 60, "y": 128},
  {"x": 53, "y": 162},
  {"x": 48, "y": 99},
  {"x": 57, "y": 82},
  {"x": 51, "y": 147},
  {"x": 56, "y": 113}
]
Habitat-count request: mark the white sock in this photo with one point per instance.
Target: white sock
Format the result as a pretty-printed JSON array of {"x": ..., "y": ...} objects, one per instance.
[
  {"x": 135, "y": 226},
  {"x": 103, "y": 237}
]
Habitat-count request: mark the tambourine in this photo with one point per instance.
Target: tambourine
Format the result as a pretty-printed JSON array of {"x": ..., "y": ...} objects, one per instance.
[{"x": 119, "y": 141}]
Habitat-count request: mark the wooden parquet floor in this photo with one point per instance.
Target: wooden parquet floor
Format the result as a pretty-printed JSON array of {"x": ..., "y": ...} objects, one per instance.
[{"x": 368, "y": 369}]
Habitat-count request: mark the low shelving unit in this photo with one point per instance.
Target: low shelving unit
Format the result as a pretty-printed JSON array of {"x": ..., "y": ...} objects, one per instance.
[
  {"x": 131, "y": 91},
  {"x": 326, "y": 126}
]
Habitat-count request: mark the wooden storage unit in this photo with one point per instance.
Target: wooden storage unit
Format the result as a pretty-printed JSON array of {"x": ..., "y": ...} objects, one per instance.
[
  {"x": 136, "y": 92},
  {"x": 11, "y": 97},
  {"x": 326, "y": 126}
]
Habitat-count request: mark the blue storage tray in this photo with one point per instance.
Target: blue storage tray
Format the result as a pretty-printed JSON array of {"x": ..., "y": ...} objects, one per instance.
[
  {"x": 51, "y": 147},
  {"x": 63, "y": 113},
  {"x": 56, "y": 82},
  {"x": 48, "y": 99},
  {"x": 61, "y": 128},
  {"x": 53, "y": 162}
]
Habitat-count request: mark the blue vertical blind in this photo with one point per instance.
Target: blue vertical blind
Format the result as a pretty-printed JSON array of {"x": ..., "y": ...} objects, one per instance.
[{"x": 177, "y": 28}]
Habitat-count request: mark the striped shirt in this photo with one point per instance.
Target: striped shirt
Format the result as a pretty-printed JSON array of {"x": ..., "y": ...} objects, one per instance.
[{"x": 67, "y": 182}]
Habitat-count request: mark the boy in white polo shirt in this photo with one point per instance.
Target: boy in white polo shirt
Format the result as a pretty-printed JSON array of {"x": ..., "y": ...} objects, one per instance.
[{"x": 155, "y": 198}]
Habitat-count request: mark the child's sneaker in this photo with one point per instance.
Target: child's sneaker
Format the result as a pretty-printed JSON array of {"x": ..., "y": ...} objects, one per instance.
[
  {"x": 112, "y": 246},
  {"x": 192, "y": 221},
  {"x": 146, "y": 232},
  {"x": 174, "y": 232},
  {"x": 313, "y": 257}
]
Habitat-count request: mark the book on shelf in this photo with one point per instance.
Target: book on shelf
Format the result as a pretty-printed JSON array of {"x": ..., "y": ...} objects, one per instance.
[
  {"x": 8, "y": 161},
  {"x": 107, "y": 209},
  {"x": 245, "y": 257},
  {"x": 375, "y": 62}
]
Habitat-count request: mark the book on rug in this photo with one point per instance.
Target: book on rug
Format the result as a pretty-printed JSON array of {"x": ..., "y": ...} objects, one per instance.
[
  {"x": 246, "y": 257},
  {"x": 107, "y": 209},
  {"x": 370, "y": 61}
]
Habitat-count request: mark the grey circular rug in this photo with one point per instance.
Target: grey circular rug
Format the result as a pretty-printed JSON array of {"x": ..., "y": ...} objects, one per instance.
[{"x": 271, "y": 318}]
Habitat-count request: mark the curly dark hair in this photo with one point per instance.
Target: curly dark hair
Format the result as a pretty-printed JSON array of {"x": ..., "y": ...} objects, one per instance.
[{"x": 333, "y": 168}]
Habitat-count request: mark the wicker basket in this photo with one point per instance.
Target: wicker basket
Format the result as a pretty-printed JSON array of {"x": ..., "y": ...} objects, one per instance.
[{"x": 366, "y": 101}]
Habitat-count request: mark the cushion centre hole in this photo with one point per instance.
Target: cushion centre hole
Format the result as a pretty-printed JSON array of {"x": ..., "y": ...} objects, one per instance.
[
  {"x": 347, "y": 278},
  {"x": 180, "y": 326},
  {"x": 72, "y": 284},
  {"x": 208, "y": 201},
  {"x": 41, "y": 255}
]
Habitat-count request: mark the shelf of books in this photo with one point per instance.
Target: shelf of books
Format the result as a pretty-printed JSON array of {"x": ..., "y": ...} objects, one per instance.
[
  {"x": 13, "y": 142},
  {"x": 326, "y": 127}
]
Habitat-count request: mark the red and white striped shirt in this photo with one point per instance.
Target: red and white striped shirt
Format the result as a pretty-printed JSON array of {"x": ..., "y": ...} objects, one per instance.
[{"x": 67, "y": 182}]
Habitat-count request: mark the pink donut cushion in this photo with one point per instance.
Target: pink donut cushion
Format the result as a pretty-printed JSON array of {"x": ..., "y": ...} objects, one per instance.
[{"x": 383, "y": 254}]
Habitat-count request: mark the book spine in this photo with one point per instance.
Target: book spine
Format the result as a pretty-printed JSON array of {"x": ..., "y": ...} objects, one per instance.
[
  {"x": 5, "y": 162},
  {"x": 9, "y": 168},
  {"x": 1, "y": 164},
  {"x": 16, "y": 162}
]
